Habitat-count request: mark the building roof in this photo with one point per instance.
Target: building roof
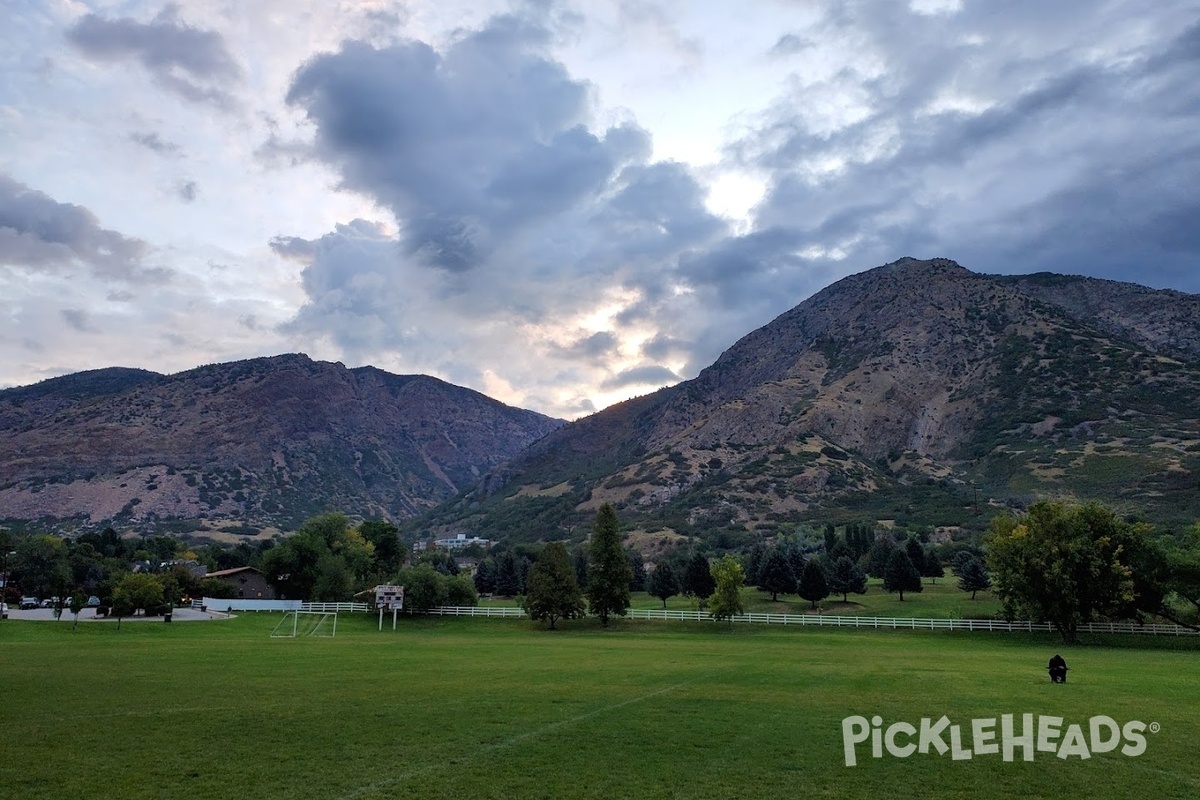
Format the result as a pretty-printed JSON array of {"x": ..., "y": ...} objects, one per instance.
[{"x": 223, "y": 573}]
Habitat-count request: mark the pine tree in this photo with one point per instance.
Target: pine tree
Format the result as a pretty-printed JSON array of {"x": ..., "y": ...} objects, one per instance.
[
  {"x": 776, "y": 575},
  {"x": 900, "y": 575},
  {"x": 508, "y": 583},
  {"x": 580, "y": 560},
  {"x": 916, "y": 554},
  {"x": 933, "y": 566},
  {"x": 812, "y": 585},
  {"x": 754, "y": 564},
  {"x": 637, "y": 572},
  {"x": 662, "y": 582},
  {"x": 553, "y": 592},
  {"x": 485, "y": 576},
  {"x": 831, "y": 539},
  {"x": 697, "y": 578},
  {"x": 879, "y": 556},
  {"x": 608, "y": 568},
  {"x": 846, "y": 577},
  {"x": 973, "y": 577}
]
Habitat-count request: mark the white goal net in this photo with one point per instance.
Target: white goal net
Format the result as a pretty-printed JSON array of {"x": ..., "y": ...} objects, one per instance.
[{"x": 305, "y": 623}]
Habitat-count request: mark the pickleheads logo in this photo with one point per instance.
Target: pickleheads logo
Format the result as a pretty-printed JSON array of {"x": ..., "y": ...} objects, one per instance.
[{"x": 1047, "y": 735}]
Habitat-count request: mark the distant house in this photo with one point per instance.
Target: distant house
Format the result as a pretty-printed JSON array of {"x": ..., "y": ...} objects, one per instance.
[
  {"x": 456, "y": 543},
  {"x": 246, "y": 581}
]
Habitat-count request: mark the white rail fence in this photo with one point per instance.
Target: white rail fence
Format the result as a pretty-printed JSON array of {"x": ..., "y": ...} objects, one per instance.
[
  {"x": 838, "y": 621},
  {"x": 818, "y": 620}
]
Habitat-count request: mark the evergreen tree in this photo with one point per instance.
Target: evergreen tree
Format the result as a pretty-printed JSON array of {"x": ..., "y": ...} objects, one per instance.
[
  {"x": 580, "y": 561},
  {"x": 879, "y": 556},
  {"x": 900, "y": 575},
  {"x": 960, "y": 560},
  {"x": 524, "y": 565},
  {"x": 831, "y": 539},
  {"x": 754, "y": 563},
  {"x": 608, "y": 568},
  {"x": 485, "y": 576},
  {"x": 697, "y": 578},
  {"x": 662, "y": 582},
  {"x": 812, "y": 585},
  {"x": 846, "y": 577},
  {"x": 776, "y": 575},
  {"x": 553, "y": 593},
  {"x": 916, "y": 554},
  {"x": 725, "y": 602},
  {"x": 974, "y": 577},
  {"x": 933, "y": 566},
  {"x": 637, "y": 569},
  {"x": 508, "y": 583}
]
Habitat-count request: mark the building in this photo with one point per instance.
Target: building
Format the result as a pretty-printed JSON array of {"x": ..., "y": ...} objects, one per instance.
[
  {"x": 456, "y": 543},
  {"x": 248, "y": 582}
]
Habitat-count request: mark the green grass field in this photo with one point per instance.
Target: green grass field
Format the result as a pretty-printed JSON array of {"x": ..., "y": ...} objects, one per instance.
[{"x": 503, "y": 709}]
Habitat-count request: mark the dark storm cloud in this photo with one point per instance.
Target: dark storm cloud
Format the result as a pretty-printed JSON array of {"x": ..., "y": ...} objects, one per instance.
[
  {"x": 40, "y": 234},
  {"x": 649, "y": 375},
  {"x": 468, "y": 147},
  {"x": 194, "y": 63},
  {"x": 1078, "y": 159}
]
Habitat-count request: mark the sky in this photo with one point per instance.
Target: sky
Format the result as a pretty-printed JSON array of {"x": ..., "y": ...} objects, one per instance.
[{"x": 561, "y": 204}]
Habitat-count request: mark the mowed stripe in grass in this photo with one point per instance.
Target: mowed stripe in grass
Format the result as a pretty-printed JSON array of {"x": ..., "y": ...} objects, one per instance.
[{"x": 502, "y": 709}]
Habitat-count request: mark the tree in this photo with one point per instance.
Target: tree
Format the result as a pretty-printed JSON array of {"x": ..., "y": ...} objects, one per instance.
[
  {"x": 485, "y": 576},
  {"x": 662, "y": 582},
  {"x": 812, "y": 585},
  {"x": 637, "y": 571},
  {"x": 424, "y": 587},
  {"x": 385, "y": 538},
  {"x": 754, "y": 564},
  {"x": 579, "y": 560},
  {"x": 608, "y": 568},
  {"x": 776, "y": 575},
  {"x": 879, "y": 556},
  {"x": 508, "y": 584},
  {"x": 900, "y": 575},
  {"x": 1069, "y": 564},
  {"x": 726, "y": 599},
  {"x": 78, "y": 603},
  {"x": 40, "y": 566},
  {"x": 138, "y": 590},
  {"x": 460, "y": 591},
  {"x": 697, "y": 578},
  {"x": 933, "y": 566},
  {"x": 973, "y": 577},
  {"x": 335, "y": 582},
  {"x": 846, "y": 577},
  {"x": 916, "y": 554},
  {"x": 553, "y": 592}
]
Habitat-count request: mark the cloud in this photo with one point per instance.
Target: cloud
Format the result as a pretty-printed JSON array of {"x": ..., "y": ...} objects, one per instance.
[
  {"x": 188, "y": 191},
  {"x": 37, "y": 233},
  {"x": 193, "y": 63},
  {"x": 648, "y": 375},
  {"x": 78, "y": 319},
  {"x": 152, "y": 141},
  {"x": 1065, "y": 154}
]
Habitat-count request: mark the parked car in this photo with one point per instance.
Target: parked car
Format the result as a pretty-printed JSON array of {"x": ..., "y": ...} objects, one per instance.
[
  {"x": 93, "y": 601},
  {"x": 28, "y": 603}
]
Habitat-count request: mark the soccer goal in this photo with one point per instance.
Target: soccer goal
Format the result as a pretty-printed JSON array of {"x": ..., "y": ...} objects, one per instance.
[{"x": 305, "y": 623}]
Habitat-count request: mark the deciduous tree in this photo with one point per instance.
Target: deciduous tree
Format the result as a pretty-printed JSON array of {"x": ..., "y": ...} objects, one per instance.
[
  {"x": 553, "y": 591},
  {"x": 728, "y": 578},
  {"x": 662, "y": 582}
]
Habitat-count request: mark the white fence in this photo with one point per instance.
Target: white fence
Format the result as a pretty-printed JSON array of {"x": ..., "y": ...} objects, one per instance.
[
  {"x": 837, "y": 621},
  {"x": 245, "y": 604},
  {"x": 335, "y": 608}
]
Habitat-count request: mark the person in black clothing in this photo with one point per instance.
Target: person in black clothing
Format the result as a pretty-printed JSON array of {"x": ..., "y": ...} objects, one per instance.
[{"x": 1058, "y": 669}]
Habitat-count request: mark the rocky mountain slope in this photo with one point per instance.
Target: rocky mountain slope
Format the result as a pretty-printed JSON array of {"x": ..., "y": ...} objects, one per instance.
[
  {"x": 906, "y": 392},
  {"x": 260, "y": 442}
]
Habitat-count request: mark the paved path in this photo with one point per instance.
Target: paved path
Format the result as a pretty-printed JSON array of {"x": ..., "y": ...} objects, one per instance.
[{"x": 89, "y": 615}]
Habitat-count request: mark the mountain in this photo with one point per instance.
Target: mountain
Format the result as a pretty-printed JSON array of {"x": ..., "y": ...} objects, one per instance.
[
  {"x": 911, "y": 393},
  {"x": 268, "y": 441}
]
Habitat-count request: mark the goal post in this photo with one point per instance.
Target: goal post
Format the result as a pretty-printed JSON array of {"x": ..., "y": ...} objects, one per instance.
[{"x": 306, "y": 623}]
